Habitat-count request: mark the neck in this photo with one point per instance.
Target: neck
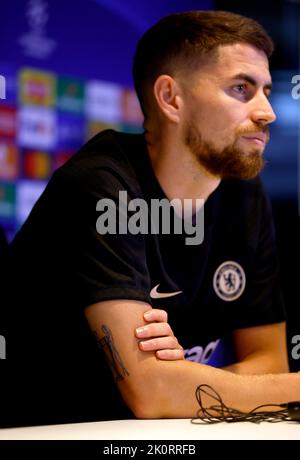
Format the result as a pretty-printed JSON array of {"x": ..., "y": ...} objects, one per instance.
[{"x": 179, "y": 174}]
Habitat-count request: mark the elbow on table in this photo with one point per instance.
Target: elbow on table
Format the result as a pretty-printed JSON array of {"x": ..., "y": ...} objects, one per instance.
[
  {"x": 143, "y": 410},
  {"x": 147, "y": 408},
  {"x": 148, "y": 400},
  {"x": 146, "y": 405}
]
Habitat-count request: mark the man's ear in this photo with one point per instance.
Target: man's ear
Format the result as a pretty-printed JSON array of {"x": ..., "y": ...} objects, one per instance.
[{"x": 168, "y": 97}]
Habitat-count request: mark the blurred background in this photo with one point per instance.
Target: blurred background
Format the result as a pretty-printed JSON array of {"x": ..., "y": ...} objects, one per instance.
[{"x": 67, "y": 74}]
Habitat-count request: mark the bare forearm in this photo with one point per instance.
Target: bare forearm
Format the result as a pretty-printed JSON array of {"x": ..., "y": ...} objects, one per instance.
[
  {"x": 166, "y": 389},
  {"x": 259, "y": 363},
  {"x": 174, "y": 392}
]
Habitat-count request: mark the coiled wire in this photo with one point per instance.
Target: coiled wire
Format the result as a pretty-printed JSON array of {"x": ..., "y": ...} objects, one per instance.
[{"x": 219, "y": 412}]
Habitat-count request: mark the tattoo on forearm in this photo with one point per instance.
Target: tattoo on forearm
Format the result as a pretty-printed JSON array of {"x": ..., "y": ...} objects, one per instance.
[{"x": 106, "y": 343}]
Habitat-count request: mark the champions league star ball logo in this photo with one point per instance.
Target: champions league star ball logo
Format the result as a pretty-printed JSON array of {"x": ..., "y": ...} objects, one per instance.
[{"x": 229, "y": 281}]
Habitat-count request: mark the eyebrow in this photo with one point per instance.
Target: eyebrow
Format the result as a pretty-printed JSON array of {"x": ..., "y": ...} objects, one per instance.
[{"x": 251, "y": 80}]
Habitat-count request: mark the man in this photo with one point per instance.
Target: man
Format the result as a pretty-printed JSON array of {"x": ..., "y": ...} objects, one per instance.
[{"x": 81, "y": 281}]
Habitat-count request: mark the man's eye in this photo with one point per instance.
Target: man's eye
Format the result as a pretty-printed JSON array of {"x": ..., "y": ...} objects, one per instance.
[{"x": 240, "y": 88}]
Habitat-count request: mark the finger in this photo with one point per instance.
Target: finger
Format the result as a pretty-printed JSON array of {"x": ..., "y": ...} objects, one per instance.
[
  {"x": 170, "y": 355},
  {"x": 154, "y": 330},
  {"x": 159, "y": 343},
  {"x": 156, "y": 314}
]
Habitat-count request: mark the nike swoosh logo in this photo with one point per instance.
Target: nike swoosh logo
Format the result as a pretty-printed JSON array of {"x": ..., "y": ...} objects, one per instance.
[{"x": 154, "y": 294}]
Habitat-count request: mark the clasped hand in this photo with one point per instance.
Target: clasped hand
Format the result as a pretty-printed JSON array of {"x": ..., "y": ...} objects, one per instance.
[{"x": 157, "y": 336}]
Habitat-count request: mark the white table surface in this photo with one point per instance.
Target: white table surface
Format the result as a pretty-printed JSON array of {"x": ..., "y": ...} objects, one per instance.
[{"x": 168, "y": 429}]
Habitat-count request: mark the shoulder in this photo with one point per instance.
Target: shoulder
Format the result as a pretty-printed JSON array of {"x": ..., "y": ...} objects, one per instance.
[{"x": 107, "y": 156}]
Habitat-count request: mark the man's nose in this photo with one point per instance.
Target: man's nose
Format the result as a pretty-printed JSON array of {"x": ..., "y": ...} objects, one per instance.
[{"x": 262, "y": 111}]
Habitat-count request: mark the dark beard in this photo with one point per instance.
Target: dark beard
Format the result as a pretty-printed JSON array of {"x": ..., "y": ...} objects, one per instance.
[{"x": 230, "y": 162}]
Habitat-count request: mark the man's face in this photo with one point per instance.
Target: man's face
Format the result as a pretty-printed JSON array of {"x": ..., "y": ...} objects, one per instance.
[{"x": 228, "y": 112}]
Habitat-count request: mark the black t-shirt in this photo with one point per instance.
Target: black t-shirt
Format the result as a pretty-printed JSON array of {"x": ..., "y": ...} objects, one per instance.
[
  {"x": 3, "y": 241},
  {"x": 59, "y": 263}
]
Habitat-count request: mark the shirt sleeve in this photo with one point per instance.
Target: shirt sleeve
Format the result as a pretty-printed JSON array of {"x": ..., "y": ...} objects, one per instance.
[{"x": 103, "y": 266}]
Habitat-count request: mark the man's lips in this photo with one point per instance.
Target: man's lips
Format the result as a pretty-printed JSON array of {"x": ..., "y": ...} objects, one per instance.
[{"x": 259, "y": 138}]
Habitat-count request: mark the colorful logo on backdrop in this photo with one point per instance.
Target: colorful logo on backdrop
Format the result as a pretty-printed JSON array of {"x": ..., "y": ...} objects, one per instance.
[
  {"x": 7, "y": 202},
  {"x": 7, "y": 121},
  {"x": 9, "y": 161},
  {"x": 103, "y": 101},
  {"x": 36, "y": 164},
  {"x": 70, "y": 95},
  {"x": 37, "y": 128},
  {"x": 37, "y": 88}
]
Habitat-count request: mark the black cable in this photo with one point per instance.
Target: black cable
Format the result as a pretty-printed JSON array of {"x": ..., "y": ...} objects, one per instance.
[{"x": 221, "y": 413}]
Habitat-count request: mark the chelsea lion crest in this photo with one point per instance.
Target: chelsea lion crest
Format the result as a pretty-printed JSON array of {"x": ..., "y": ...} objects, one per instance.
[{"x": 229, "y": 281}]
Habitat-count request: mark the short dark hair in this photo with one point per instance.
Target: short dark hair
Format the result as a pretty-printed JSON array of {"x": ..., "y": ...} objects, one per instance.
[{"x": 180, "y": 40}]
